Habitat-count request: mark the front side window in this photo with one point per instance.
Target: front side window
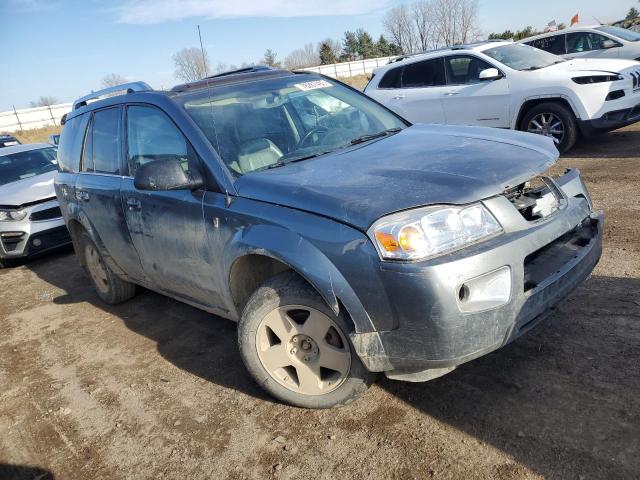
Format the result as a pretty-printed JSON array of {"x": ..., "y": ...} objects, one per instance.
[
  {"x": 464, "y": 69},
  {"x": 522, "y": 57},
  {"x": 271, "y": 122},
  {"x": 429, "y": 73},
  {"x": 22, "y": 165},
  {"x": 102, "y": 146},
  {"x": 579, "y": 42},
  {"x": 152, "y": 136},
  {"x": 553, "y": 44}
]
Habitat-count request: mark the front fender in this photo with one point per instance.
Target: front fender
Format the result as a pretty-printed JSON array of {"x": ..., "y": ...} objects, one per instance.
[{"x": 303, "y": 257}]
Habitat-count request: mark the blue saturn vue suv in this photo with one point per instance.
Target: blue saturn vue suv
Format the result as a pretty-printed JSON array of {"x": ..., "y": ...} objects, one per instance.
[{"x": 342, "y": 239}]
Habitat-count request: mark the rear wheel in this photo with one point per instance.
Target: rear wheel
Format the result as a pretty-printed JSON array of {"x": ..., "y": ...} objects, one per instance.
[
  {"x": 552, "y": 120},
  {"x": 110, "y": 288},
  {"x": 297, "y": 349}
]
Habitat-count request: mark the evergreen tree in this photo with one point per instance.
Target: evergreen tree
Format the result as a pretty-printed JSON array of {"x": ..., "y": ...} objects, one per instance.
[{"x": 327, "y": 55}]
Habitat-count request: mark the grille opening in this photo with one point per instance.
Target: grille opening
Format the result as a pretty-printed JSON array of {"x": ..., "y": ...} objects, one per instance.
[{"x": 48, "y": 214}]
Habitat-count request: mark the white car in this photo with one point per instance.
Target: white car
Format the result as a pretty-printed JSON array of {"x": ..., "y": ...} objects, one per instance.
[
  {"x": 31, "y": 222},
  {"x": 511, "y": 85},
  {"x": 600, "y": 41}
]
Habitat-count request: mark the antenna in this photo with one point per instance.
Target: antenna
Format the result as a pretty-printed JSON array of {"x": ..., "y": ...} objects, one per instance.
[
  {"x": 596, "y": 19},
  {"x": 204, "y": 59}
]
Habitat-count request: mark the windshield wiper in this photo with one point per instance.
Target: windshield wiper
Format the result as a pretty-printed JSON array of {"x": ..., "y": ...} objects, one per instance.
[
  {"x": 371, "y": 136},
  {"x": 281, "y": 163},
  {"x": 528, "y": 69}
]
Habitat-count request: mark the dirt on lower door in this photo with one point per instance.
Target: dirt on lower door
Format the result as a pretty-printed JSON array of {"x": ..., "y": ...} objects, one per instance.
[{"x": 156, "y": 389}]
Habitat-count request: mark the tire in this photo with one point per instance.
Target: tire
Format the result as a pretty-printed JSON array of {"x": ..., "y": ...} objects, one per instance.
[
  {"x": 111, "y": 289},
  {"x": 554, "y": 112},
  {"x": 286, "y": 298}
]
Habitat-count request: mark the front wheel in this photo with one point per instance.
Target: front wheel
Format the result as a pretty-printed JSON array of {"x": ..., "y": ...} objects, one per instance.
[
  {"x": 552, "y": 120},
  {"x": 297, "y": 349}
]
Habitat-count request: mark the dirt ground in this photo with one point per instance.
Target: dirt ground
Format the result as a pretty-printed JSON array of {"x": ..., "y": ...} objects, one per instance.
[{"x": 156, "y": 389}]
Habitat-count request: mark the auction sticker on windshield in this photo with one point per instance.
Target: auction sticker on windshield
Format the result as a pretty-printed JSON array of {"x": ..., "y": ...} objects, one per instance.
[{"x": 313, "y": 85}]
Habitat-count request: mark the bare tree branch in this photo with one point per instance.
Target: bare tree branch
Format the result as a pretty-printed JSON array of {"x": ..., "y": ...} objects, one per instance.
[
  {"x": 112, "y": 80},
  {"x": 190, "y": 65}
]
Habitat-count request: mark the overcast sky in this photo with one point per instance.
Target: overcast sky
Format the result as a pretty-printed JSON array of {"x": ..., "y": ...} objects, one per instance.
[{"x": 63, "y": 48}]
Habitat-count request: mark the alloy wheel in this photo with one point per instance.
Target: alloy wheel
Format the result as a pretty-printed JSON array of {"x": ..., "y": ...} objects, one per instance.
[
  {"x": 303, "y": 350},
  {"x": 549, "y": 125}
]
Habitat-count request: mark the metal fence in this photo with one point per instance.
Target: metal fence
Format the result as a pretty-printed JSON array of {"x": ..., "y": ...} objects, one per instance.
[
  {"x": 30, "y": 118},
  {"x": 349, "y": 69}
]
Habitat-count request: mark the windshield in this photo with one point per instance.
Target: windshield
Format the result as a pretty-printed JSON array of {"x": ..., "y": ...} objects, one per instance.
[
  {"x": 522, "y": 57},
  {"x": 268, "y": 123},
  {"x": 623, "y": 33},
  {"x": 21, "y": 165}
]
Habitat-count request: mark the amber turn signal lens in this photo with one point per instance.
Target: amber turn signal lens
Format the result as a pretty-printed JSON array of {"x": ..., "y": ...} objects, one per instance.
[{"x": 387, "y": 241}]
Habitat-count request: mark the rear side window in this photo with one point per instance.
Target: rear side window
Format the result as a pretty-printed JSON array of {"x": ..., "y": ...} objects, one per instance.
[
  {"x": 70, "y": 146},
  {"x": 391, "y": 79},
  {"x": 554, "y": 44},
  {"x": 429, "y": 73},
  {"x": 103, "y": 146},
  {"x": 152, "y": 136}
]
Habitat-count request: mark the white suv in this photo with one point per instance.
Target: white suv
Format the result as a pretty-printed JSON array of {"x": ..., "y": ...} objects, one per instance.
[
  {"x": 511, "y": 85},
  {"x": 601, "y": 41}
]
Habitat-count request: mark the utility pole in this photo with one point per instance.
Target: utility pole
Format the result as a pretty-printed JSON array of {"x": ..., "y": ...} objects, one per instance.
[{"x": 204, "y": 59}]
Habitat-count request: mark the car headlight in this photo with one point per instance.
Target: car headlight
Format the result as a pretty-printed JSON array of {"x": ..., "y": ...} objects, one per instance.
[
  {"x": 432, "y": 231},
  {"x": 597, "y": 79},
  {"x": 12, "y": 215}
]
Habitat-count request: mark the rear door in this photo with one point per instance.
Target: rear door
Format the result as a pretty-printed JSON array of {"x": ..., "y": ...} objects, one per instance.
[
  {"x": 177, "y": 251},
  {"x": 97, "y": 188},
  {"x": 419, "y": 96},
  {"x": 69, "y": 155},
  {"x": 467, "y": 100}
]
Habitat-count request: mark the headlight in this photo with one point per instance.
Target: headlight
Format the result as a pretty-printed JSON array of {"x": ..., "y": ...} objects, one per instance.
[
  {"x": 432, "y": 231},
  {"x": 12, "y": 215},
  {"x": 597, "y": 79}
]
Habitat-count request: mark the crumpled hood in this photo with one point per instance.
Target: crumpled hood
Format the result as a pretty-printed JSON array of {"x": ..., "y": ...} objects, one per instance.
[
  {"x": 593, "y": 65},
  {"x": 29, "y": 190},
  {"x": 421, "y": 165}
]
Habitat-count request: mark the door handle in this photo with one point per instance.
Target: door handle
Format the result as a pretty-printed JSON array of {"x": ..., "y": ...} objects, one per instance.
[
  {"x": 82, "y": 195},
  {"x": 397, "y": 97},
  {"x": 133, "y": 204}
]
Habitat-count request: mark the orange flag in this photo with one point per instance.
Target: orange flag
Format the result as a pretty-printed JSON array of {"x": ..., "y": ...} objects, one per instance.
[{"x": 575, "y": 19}]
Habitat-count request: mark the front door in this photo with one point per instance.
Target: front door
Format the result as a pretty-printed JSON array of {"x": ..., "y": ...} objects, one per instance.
[
  {"x": 176, "y": 249},
  {"x": 467, "y": 100}
]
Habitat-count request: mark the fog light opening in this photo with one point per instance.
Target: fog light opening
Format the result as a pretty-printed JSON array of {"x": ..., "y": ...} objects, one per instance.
[{"x": 37, "y": 242}]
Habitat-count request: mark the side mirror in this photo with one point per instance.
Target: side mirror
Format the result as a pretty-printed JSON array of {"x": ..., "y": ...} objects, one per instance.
[
  {"x": 609, "y": 44},
  {"x": 167, "y": 174},
  {"x": 490, "y": 74}
]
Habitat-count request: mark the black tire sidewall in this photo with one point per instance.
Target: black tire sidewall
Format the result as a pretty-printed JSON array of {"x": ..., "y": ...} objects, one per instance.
[
  {"x": 564, "y": 113},
  {"x": 289, "y": 289},
  {"x": 118, "y": 290}
]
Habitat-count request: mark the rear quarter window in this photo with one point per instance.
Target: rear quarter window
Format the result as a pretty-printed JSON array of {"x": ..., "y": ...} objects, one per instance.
[
  {"x": 554, "y": 44},
  {"x": 391, "y": 79},
  {"x": 70, "y": 146}
]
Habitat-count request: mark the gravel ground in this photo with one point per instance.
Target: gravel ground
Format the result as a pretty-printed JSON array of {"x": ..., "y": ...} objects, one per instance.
[{"x": 156, "y": 389}]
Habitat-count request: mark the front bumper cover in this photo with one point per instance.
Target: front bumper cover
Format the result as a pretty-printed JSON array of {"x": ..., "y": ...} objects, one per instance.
[
  {"x": 433, "y": 333},
  {"x": 610, "y": 121}
]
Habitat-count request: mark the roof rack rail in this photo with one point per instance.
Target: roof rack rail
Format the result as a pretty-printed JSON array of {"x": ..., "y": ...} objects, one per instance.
[
  {"x": 251, "y": 69},
  {"x": 124, "y": 88}
]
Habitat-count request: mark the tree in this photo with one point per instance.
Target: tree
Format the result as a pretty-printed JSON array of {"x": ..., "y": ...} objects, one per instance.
[
  {"x": 191, "y": 65},
  {"x": 400, "y": 27},
  {"x": 349, "y": 47},
  {"x": 327, "y": 55},
  {"x": 270, "y": 58},
  {"x": 112, "y": 80},
  {"x": 302, "y": 57},
  {"x": 366, "y": 47},
  {"x": 632, "y": 14},
  {"x": 518, "y": 34},
  {"x": 44, "y": 101}
]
